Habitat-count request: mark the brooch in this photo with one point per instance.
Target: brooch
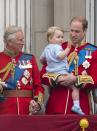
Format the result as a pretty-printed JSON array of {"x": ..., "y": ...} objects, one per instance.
[
  {"x": 24, "y": 81},
  {"x": 25, "y": 64},
  {"x": 26, "y": 74},
  {"x": 86, "y": 64}
]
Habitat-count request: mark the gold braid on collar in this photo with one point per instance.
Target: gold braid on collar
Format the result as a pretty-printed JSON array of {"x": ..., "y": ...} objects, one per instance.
[
  {"x": 71, "y": 57},
  {"x": 10, "y": 53}
]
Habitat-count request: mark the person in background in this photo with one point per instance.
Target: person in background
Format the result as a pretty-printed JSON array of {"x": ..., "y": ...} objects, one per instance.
[
  {"x": 20, "y": 85},
  {"x": 82, "y": 58},
  {"x": 57, "y": 62}
]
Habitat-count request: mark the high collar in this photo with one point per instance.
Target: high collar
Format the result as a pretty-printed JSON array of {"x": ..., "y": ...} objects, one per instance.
[{"x": 10, "y": 53}]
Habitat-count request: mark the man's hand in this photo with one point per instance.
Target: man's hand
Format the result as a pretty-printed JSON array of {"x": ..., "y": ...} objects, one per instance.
[
  {"x": 1, "y": 93},
  {"x": 1, "y": 88},
  {"x": 34, "y": 107},
  {"x": 2, "y": 85},
  {"x": 68, "y": 80}
]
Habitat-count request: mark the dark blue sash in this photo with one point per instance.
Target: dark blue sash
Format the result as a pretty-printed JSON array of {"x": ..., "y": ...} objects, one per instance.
[
  {"x": 12, "y": 82},
  {"x": 81, "y": 55}
]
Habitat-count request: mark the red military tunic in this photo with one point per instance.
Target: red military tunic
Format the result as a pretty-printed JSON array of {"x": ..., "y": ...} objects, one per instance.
[
  {"x": 60, "y": 100},
  {"x": 24, "y": 76}
]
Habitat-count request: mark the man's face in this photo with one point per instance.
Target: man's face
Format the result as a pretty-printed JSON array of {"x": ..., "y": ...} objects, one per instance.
[
  {"x": 16, "y": 44},
  {"x": 76, "y": 32}
]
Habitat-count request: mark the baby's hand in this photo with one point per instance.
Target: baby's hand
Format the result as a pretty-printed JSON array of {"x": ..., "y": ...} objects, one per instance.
[
  {"x": 69, "y": 46},
  {"x": 84, "y": 72}
]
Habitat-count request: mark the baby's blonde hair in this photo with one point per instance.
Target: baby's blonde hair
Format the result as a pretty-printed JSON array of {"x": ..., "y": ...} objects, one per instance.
[{"x": 51, "y": 30}]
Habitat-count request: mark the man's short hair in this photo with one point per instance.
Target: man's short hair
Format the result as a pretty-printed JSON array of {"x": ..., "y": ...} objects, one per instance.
[
  {"x": 82, "y": 20},
  {"x": 10, "y": 32}
]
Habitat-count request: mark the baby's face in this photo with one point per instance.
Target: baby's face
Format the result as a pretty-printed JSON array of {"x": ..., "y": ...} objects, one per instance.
[{"x": 57, "y": 38}]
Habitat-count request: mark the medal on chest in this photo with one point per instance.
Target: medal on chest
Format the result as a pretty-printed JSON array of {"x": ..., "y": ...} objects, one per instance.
[
  {"x": 88, "y": 55},
  {"x": 25, "y": 64}
]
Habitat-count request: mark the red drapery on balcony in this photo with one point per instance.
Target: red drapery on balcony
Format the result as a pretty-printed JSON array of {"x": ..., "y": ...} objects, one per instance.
[{"x": 46, "y": 123}]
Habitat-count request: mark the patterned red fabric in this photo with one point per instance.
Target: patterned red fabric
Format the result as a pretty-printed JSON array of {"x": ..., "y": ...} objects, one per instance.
[{"x": 46, "y": 123}]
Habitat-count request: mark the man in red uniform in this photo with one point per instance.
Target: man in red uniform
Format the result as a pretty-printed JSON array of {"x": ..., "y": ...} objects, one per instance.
[
  {"x": 82, "y": 58},
  {"x": 20, "y": 85}
]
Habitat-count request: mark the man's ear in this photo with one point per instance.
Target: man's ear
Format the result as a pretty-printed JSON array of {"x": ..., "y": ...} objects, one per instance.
[{"x": 85, "y": 31}]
